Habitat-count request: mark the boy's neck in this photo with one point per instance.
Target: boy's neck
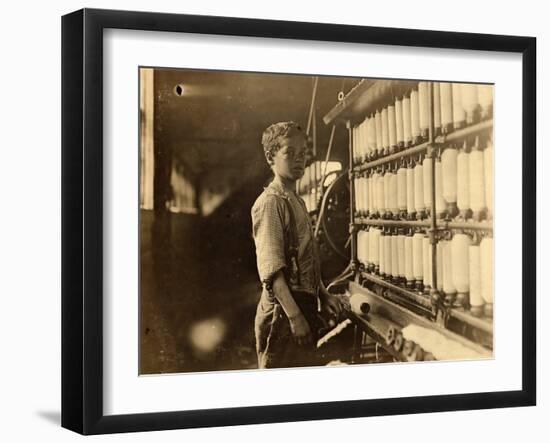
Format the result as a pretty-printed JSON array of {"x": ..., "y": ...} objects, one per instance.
[{"x": 288, "y": 185}]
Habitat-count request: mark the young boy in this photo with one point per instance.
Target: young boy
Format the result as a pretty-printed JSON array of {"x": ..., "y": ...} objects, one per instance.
[{"x": 286, "y": 323}]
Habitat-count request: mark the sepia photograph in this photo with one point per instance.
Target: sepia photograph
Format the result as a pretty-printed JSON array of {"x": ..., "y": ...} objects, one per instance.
[{"x": 292, "y": 220}]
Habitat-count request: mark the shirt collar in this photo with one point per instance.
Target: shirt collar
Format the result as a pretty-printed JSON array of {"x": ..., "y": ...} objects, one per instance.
[{"x": 277, "y": 189}]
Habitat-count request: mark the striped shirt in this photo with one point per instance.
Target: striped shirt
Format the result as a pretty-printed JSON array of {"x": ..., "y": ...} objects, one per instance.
[{"x": 270, "y": 229}]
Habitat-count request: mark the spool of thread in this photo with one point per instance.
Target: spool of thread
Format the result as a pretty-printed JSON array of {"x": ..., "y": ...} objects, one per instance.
[
  {"x": 372, "y": 137},
  {"x": 356, "y": 185},
  {"x": 440, "y": 205},
  {"x": 375, "y": 194},
  {"x": 354, "y": 146},
  {"x": 382, "y": 254},
  {"x": 359, "y": 303},
  {"x": 476, "y": 299},
  {"x": 460, "y": 245},
  {"x": 470, "y": 103},
  {"x": 378, "y": 125},
  {"x": 410, "y": 192},
  {"x": 448, "y": 174},
  {"x": 387, "y": 177},
  {"x": 486, "y": 262},
  {"x": 385, "y": 131},
  {"x": 362, "y": 141},
  {"x": 446, "y": 98},
  {"x": 366, "y": 129},
  {"x": 485, "y": 97},
  {"x": 401, "y": 258},
  {"x": 426, "y": 263},
  {"x": 402, "y": 189},
  {"x": 437, "y": 109},
  {"x": 368, "y": 261},
  {"x": 359, "y": 196},
  {"x": 448, "y": 285},
  {"x": 374, "y": 247},
  {"x": 368, "y": 249},
  {"x": 392, "y": 129},
  {"x": 387, "y": 256},
  {"x": 440, "y": 270},
  {"x": 427, "y": 182},
  {"x": 375, "y": 176},
  {"x": 459, "y": 115},
  {"x": 394, "y": 258},
  {"x": 365, "y": 195},
  {"x": 415, "y": 117},
  {"x": 417, "y": 252},
  {"x": 419, "y": 206},
  {"x": 424, "y": 110},
  {"x": 392, "y": 198},
  {"x": 463, "y": 183},
  {"x": 488, "y": 178},
  {"x": 407, "y": 121},
  {"x": 356, "y": 196},
  {"x": 409, "y": 273},
  {"x": 360, "y": 247},
  {"x": 358, "y": 142},
  {"x": 381, "y": 207},
  {"x": 477, "y": 184},
  {"x": 399, "y": 123},
  {"x": 372, "y": 195}
]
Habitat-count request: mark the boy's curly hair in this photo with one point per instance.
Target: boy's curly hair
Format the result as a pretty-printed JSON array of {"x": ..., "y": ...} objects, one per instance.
[{"x": 272, "y": 136}]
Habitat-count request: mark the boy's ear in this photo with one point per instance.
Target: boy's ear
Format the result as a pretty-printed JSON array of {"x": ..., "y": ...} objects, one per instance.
[{"x": 269, "y": 157}]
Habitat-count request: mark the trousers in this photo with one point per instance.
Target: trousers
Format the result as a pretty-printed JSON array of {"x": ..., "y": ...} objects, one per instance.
[{"x": 275, "y": 344}]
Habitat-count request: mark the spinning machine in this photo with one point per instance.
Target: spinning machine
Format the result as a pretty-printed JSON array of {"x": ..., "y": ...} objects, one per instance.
[{"x": 413, "y": 215}]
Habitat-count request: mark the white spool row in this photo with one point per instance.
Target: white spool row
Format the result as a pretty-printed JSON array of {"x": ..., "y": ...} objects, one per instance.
[
  {"x": 466, "y": 180},
  {"x": 465, "y": 268},
  {"x": 406, "y": 120}
]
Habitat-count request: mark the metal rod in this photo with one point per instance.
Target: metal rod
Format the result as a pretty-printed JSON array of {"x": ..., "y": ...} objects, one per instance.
[
  {"x": 454, "y": 136},
  {"x": 314, "y": 155},
  {"x": 417, "y": 298},
  {"x": 433, "y": 219},
  {"x": 397, "y": 156},
  {"x": 465, "y": 225},
  {"x": 351, "y": 197},
  {"x": 472, "y": 321},
  {"x": 330, "y": 140},
  {"x": 380, "y": 222},
  {"x": 314, "y": 137},
  {"x": 312, "y": 104},
  {"x": 460, "y": 134}
]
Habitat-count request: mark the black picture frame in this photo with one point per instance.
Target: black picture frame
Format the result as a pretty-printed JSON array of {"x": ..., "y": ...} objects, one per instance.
[{"x": 82, "y": 219}]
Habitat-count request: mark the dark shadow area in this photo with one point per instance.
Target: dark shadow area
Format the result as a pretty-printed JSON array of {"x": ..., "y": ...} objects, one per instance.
[{"x": 199, "y": 289}]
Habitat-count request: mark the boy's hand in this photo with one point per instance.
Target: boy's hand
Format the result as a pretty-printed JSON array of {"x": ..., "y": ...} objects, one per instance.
[
  {"x": 300, "y": 329},
  {"x": 331, "y": 304}
]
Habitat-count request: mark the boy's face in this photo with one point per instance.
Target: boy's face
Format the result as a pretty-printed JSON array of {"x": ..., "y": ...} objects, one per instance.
[{"x": 290, "y": 160}]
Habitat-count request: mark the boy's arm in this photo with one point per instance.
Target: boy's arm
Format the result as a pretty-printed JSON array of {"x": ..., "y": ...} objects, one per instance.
[
  {"x": 329, "y": 302},
  {"x": 298, "y": 324},
  {"x": 268, "y": 233}
]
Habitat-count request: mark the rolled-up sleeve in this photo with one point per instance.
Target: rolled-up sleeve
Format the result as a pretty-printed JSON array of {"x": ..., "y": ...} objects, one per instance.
[{"x": 268, "y": 220}]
